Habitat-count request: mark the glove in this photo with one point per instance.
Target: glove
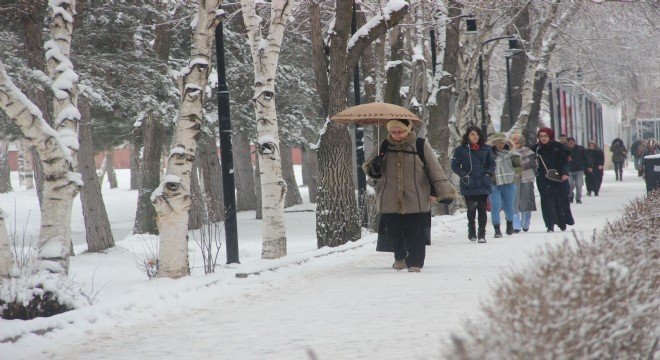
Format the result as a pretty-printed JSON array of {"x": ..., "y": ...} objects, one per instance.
[
  {"x": 446, "y": 201},
  {"x": 377, "y": 165}
]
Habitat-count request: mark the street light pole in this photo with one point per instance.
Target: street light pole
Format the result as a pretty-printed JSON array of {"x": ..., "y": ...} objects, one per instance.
[
  {"x": 226, "y": 152},
  {"x": 359, "y": 140},
  {"x": 484, "y": 124}
]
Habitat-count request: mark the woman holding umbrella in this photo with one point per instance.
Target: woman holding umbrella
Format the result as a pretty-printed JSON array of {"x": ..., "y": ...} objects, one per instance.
[{"x": 403, "y": 193}]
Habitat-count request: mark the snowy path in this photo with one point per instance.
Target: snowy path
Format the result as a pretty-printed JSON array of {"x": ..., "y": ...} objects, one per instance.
[{"x": 348, "y": 305}]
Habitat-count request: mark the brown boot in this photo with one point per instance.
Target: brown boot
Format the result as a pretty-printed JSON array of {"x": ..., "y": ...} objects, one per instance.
[
  {"x": 414, "y": 269},
  {"x": 399, "y": 265}
]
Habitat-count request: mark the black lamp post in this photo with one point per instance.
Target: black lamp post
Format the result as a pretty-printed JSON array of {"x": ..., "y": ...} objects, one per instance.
[
  {"x": 484, "y": 123},
  {"x": 226, "y": 152},
  {"x": 514, "y": 50},
  {"x": 359, "y": 140}
]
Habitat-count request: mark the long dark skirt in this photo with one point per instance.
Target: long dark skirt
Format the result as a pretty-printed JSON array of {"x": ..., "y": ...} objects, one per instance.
[
  {"x": 554, "y": 203},
  {"x": 593, "y": 180},
  {"x": 406, "y": 235}
]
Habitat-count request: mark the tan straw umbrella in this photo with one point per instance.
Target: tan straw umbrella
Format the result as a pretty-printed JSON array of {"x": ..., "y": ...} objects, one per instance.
[{"x": 376, "y": 113}]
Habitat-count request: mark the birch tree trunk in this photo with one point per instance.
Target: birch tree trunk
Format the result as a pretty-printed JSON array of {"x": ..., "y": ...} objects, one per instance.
[
  {"x": 172, "y": 199},
  {"x": 5, "y": 172},
  {"x": 6, "y": 258},
  {"x": 265, "y": 55},
  {"x": 28, "y": 164},
  {"x": 57, "y": 146}
]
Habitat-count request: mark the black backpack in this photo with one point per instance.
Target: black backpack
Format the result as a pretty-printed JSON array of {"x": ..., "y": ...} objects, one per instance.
[{"x": 419, "y": 144}]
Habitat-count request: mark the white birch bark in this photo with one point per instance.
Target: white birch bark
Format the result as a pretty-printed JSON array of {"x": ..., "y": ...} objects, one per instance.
[
  {"x": 172, "y": 199},
  {"x": 265, "y": 55},
  {"x": 6, "y": 258},
  {"x": 28, "y": 167},
  {"x": 57, "y": 146}
]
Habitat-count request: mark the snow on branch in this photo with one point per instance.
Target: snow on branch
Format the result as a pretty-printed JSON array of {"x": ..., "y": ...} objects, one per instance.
[{"x": 391, "y": 7}]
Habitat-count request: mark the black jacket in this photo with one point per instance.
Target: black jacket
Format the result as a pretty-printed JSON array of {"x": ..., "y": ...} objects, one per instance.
[
  {"x": 577, "y": 158},
  {"x": 555, "y": 156},
  {"x": 595, "y": 157}
]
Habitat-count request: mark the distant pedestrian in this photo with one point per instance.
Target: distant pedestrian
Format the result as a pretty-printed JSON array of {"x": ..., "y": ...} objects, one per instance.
[
  {"x": 552, "y": 180},
  {"x": 652, "y": 148},
  {"x": 403, "y": 194},
  {"x": 636, "y": 152},
  {"x": 577, "y": 162},
  {"x": 474, "y": 164},
  {"x": 619, "y": 153},
  {"x": 594, "y": 174},
  {"x": 563, "y": 139},
  {"x": 525, "y": 201},
  {"x": 503, "y": 196}
]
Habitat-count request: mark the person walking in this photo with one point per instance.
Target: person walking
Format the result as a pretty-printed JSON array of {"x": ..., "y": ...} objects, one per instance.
[
  {"x": 474, "y": 163},
  {"x": 652, "y": 148},
  {"x": 595, "y": 163},
  {"x": 403, "y": 193},
  {"x": 619, "y": 153},
  {"x": 636, "y": 152},
  {"x": 525, "y": 201},
  {"x": 577, "y": 162},
  {"x": 551, "y": 181},
  {"x": 503, "y": 195}
]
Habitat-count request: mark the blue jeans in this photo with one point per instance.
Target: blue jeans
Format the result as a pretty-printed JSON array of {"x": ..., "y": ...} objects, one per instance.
[
  {"x": 521, "y": 220},
  {"x": 502, "y": 197}
]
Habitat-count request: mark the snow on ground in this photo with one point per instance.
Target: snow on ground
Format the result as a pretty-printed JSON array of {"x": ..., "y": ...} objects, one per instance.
[{"x": 341, "y": 303}]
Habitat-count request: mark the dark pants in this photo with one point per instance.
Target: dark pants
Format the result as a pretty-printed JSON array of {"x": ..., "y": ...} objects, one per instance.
[
  {"x": 593, "y": 180},
  {"x": 554, "y": 203},
  {"x": 406, "y": 234},
  {"x": 476, "y": 204},
  {"x": 618, "y": 170}
]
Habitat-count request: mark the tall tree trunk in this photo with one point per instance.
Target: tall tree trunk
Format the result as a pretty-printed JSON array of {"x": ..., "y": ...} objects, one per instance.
[
  {"x": 32, "y": 22},
  {"x": 517, "y": 69},
  {"x": 257, "y": 190},
  {"x": 6, "y": 257},
  {"x": 110, "y": 168},
  {"x": 212, "y": 178},
  {"x": 311, "y": 163},
  {"x": 97, "y": 226},
  {"x": 5, "y": 172},
  {"x": 198, "y": 210},
  {"x": 292, "y": 192},
  {"x": 134, "y": 149},
  {"x": 246, "y": 199},
  {"x": 392, "y": 93},
  {"x": 27, "y": 164},
  {"x": 337, "y": 216},
  {"x": 265, "y": 55},
  {"x": 172, "y": 199},
  {"x": 149, "y": 179}
]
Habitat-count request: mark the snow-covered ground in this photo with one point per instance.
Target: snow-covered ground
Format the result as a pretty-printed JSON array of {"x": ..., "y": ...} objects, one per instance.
[{"x": 340, "y": 303}]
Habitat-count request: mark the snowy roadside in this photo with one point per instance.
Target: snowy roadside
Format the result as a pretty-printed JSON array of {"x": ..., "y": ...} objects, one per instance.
[{"x": 340, "y": 303}]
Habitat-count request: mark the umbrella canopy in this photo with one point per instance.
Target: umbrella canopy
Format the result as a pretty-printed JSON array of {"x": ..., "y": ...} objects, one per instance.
[{"x": 376, "y": 113}]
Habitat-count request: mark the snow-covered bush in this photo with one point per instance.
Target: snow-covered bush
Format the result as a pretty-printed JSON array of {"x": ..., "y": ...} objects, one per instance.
[
  {"x": 30, "y": 293},
  {"x": 593, "y": 299}
]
